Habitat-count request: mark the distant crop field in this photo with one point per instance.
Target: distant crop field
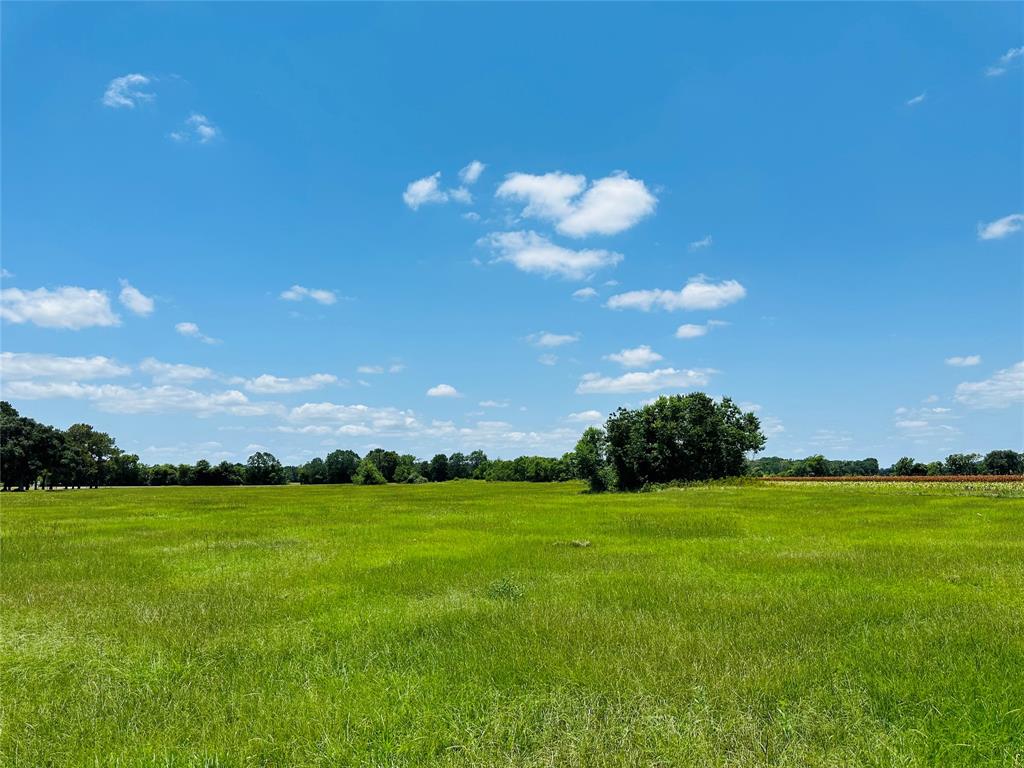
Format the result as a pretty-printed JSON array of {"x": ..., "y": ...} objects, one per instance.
[{"x": 502, "y": 624}]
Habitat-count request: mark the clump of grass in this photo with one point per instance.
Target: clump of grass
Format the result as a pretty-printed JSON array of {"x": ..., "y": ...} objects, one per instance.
[
  {"x": 505, "y": 589},
  {"x": 580, "y": 543}
]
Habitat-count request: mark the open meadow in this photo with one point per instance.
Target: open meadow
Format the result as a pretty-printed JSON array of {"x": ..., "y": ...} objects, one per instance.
[{"x": 479, "y": 624}]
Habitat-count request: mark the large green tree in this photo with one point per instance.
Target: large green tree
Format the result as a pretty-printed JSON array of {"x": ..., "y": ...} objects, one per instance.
[{"x": 681, "y": 437}]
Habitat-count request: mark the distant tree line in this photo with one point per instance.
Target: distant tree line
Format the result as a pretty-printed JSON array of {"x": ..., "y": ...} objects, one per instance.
[
  {"x": 679, "y": 438},
  {"x": 1003, "y": 462}
]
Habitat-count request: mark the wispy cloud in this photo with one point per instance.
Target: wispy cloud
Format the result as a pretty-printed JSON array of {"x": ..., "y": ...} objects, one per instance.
[
  {"x": 1000, "y": 228},
  {"x": 1003, "y": 389},
  {"x": 547, "y": 339},
  {"x": 471, "y": 172},
  {"x": 319, "y": 295},
  {"x": 28, "y": 365},
  {"x": 698, "y": 293},
  {"x": 192, "y": 331},
  {"x": 964, "y": 361},
  {"x": 643, "y": 381},
  {"x": 694, "y": 330},
  {"x": 273, "y": 385},
  {"x": 919, "y": 99},
  {"x": 704, "y": 242},
  {"x": 197, "y": 128},
  {"x": 1004, "y": 62},
  {"x": 584, "y": 294},
  {"x": 126, "y": 92}
]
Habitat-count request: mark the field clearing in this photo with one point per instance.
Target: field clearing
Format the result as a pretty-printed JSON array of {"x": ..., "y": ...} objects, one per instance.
[{"x": 474, "y": 624}]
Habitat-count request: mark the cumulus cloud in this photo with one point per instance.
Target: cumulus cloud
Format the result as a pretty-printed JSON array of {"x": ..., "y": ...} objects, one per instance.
[
  {"x": 1000, "y": 228},
  {"x": 197, "y": 128},
  {"x": 637, "y": 357},
  {"x": 694, "y": 330},
  {"x": 1003, "y": 389},
  {"x": 274, "y": 385},
  {"x": 698, "y": 293},
  {"x": 425, "y": 190},
  {"x": 319, "y": 295},
  {"x": 546, "y": 339},
  {"x": 192, "y": 331},
  {"x": 27, "y": 365},
  {"x": 126, "y": 91},
  {"x": 964, "y": 361},
  {"x": 608, "y": 206},
  {"x": 443, "y": 390},
  {"x": 471, "y": 172},
  {"x": 530, "y": 252},
  {"x": 355, "y": 419},
  {"x": 71, "y": 308},
  {"x": 135, "y": 300},
  {"x": 643, "y": 381}
]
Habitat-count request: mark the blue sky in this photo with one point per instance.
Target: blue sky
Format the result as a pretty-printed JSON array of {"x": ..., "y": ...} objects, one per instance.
[{"x": 443, "y": 227}]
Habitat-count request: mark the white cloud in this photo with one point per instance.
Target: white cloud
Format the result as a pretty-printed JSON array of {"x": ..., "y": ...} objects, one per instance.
[
  {"x": 471, "y": 216},
  {"x": 1004, "y": 388},
  {"x": 964, "y": 361},
  {"x": 586, "y": 417},
  {"x": 698, "y": 293},
  {"x": 643, "y": 381},
  {"x": 548, "y": 359},
  {"x": 425, "y": 190},
  {"x": 471, "y": 172},
  {"x": 135, "y": 300},
  {"x": 584, "y": 294},
  {"x": 530, "y": 252},
  {"x": 704, "y": 242},
  {"x": 694, "y": 330},
  {"x": 138, "y": 400},
  {"x": 546, "y": 339},
  {"x": 319, "y": 295},
  {"x": 1004, "y": 62},
  {"x": 27, "y": 365},
  {"x": 174, "y": 373},
  {"x": 610, "y": 205},
  {"x": 267, "y": 384},
  {"x": 197, "y": 127},
  {"x": 637, "y": 357},
  {"x": 68, "y": 307},
  {"x": 192, "y": 331},
  {"x": 6, "y": 273},
  {"x": 125, "y": 91},
  {"x": 370, "y": 369},
  {"x": 461, "y": 195},
  {"x": 1000, "y": 228},
  {"x": 493, "y": 404},
  {"x": 355, "y": 419},
  {"x": 443, "y": 390},
  {"x": 917, "y": 99}
]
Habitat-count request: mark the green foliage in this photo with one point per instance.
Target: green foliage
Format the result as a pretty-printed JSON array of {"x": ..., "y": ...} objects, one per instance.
[
  {"x": 680, "y": 438},
  {"x": 1004, "y": 463},
  {"x": 439, "y": 468},
  {"x": 591, "y": 461},
  {"x": 368, "y": 473},
  {"x": 263, "y": 469},
  {"x": 385, "y": 461},
  {"x": 341, "y": 465}
]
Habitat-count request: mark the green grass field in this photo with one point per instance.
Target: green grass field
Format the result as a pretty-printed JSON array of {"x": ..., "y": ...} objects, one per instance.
[{"x": 472, "y": 624}]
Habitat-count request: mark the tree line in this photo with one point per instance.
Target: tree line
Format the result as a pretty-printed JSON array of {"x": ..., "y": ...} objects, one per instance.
[
  {"x": 678, "y": 438},
  {"x": 1002, "y": 462}
]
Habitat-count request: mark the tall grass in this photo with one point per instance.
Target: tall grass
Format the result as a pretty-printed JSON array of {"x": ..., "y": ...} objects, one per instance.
[{"x": 471, "y": 624}]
